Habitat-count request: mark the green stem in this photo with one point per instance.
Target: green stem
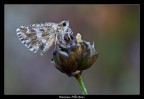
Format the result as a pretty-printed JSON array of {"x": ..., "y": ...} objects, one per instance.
[{"x": 80, "y": 81}]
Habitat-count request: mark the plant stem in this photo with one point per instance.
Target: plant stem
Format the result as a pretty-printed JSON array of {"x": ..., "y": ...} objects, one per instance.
[{"x": 80, "y": 81}]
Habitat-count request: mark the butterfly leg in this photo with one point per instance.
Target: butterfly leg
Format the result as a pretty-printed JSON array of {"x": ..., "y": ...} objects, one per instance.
[
  {"x": 56, "y": 42},
  {"x": 69, "y": 36}
]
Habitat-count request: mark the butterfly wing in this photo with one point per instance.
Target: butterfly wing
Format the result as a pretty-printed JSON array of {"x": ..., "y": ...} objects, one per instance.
[
  {"x": 36, "y": 35},
  {"x": 48, "y": 43}
]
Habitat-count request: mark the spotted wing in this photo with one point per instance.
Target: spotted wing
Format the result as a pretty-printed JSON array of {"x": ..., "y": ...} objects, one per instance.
[{"x": 36, "y": 35}]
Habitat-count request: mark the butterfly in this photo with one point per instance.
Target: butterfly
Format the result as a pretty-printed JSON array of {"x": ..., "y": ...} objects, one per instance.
[{"x": 43, "y": 36}]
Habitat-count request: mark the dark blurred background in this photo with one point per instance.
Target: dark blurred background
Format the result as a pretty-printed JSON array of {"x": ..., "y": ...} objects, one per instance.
[{"x": 115, "y": 30}]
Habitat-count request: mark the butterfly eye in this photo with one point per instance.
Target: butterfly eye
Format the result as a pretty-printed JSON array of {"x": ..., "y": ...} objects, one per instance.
[{"x": 64, "y": 24}]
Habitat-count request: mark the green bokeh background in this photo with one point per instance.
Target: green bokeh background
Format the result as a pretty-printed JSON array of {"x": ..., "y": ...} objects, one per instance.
[{"x": 115, "y": 30}]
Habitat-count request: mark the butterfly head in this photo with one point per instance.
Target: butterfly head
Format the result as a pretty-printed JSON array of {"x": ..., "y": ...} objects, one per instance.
[{"x": 64, "y": 23}]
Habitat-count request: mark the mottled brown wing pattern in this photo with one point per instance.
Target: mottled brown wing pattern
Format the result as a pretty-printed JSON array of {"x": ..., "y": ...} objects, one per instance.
[
  {"x": 35, "y": 35},
  {"x": 48, "y": 43},
  {"x": 43, "y": 36}
]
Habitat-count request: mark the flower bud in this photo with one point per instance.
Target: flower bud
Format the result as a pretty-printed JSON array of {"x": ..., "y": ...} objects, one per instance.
[{"x": 74, "y": 56}]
